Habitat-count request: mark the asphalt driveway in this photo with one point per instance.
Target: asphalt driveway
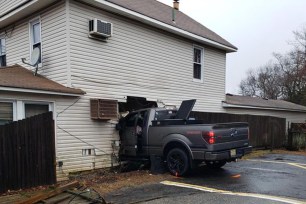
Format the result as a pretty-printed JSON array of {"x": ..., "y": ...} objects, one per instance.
[{"x": 274, "y": 178}]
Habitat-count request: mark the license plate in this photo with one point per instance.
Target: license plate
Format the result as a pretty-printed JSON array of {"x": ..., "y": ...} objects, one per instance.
[{"x": 233, "y": 152}]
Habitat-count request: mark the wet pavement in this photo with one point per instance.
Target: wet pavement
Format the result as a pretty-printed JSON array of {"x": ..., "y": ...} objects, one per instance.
[{"x": 275, "y": 178}]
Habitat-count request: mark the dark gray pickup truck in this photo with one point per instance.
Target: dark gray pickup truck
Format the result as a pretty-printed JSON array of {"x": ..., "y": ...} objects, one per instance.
[{"x": 180, "y": 141}]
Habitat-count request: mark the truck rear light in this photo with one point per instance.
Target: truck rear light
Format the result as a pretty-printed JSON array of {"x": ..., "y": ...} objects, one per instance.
[{"x": 209, "y": 137}]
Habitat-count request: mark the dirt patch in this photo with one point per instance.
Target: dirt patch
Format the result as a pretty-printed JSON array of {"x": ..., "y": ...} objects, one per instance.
[{"x": 105, "y": 181}]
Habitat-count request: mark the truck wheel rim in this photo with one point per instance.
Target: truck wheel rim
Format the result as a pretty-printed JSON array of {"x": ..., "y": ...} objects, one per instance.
[{"x": 176, "y": 163}]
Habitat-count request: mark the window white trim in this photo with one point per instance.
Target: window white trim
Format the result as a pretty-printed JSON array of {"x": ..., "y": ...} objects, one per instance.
[
  {"x": 202, "y": 63},
  {"x": 31, "y": 23}
]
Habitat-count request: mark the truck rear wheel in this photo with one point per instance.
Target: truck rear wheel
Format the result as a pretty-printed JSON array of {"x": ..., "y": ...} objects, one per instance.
[
  {"x": 215, "y": 164},
  {"x": 177, "y": 162}
]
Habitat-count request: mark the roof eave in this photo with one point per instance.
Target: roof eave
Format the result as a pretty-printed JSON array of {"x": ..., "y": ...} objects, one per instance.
[
  {"x": 155, "y": 23},
  {"x": 229, "y": 105},
  {"x": 37, "y": 91},
  {"x": 22, "y": 11}
]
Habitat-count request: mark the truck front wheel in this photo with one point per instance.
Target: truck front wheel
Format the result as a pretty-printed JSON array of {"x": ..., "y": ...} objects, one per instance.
[{"x": 177, "y": 162}]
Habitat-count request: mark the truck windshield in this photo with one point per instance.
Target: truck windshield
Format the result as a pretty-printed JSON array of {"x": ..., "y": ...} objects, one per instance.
[{"x": 164, "y": 114}]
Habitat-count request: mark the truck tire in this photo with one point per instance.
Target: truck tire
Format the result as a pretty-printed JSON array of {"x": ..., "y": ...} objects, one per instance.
[
  {"x": 215, "y": 164},
  {"x": 178, "y": 162}
]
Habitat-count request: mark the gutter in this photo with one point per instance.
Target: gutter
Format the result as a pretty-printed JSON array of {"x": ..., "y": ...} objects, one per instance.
[
  {"x": 227, "y": 105},
  {"x": 35, "y": 91},
  {"x": 103, "y": 4}
]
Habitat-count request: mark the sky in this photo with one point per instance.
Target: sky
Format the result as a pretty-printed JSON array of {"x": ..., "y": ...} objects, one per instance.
[{"x": 257, "y": 27}]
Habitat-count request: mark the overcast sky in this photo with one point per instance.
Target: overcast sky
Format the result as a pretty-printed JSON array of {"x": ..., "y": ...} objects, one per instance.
[{"x": 257, "y": 27}]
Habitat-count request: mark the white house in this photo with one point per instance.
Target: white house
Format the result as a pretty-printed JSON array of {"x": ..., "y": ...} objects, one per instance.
[
  {"x": 154, "y": 52},
  {"x": 293, "y": 113}
]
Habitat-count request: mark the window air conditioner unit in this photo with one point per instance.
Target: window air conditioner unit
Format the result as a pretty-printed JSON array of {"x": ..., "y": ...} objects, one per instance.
[
  {"x": 99, "y": 28},
  {"x": 103, "y": 109}
]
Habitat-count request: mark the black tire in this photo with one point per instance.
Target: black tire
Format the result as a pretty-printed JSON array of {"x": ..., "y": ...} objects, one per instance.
[
  {"x": 178, "y": 162},
  {"x": 215, "y": 164}
]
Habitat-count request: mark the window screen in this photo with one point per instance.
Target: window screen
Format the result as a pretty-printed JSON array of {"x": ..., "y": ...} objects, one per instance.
[
  {"x": 35, "y": 109},
  {"x": 6, "y": 112}
]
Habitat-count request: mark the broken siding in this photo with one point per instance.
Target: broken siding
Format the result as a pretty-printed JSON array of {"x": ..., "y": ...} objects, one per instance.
[{"x": 7, "y": 5}]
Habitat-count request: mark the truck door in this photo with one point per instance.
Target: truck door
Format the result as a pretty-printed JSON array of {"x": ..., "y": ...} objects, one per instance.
[
  {"x": 129, "y": 135},
  {"x": 135, "y": 134}
]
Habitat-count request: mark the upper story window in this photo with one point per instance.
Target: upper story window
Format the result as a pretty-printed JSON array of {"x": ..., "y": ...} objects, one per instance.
[
  {"x": 2, "y": 53},
  {"x": 35, "y": 36},
  {"x": 198, "y": 64}
]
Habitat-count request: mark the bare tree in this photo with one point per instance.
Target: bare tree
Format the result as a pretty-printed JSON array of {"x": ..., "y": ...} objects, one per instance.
[{"x": 285, "y": 78}]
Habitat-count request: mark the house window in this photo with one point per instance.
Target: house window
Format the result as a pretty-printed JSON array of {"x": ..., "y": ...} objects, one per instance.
[
  {"x": 198, "y": 64},
  {"x": 35, "y": 36},
  {"x": 35, "y": 109},
  {"x": 2, "y": 53},
  {"x": 6, "y": 112}
]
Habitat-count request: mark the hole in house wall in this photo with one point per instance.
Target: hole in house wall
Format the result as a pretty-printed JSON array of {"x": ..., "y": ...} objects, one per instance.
[{"x": 135, "y": 103}]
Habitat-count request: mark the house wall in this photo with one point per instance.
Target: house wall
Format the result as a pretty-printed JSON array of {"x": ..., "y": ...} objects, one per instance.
[
  {"x": 291, "y": 117},
  {"x": 53, "y": 41},
  {"x": 141, "y": 61},
  {"x": 70, "y": 147},
  {"x": 7, "y": 5},
  {"x": 136, "y": 61}
]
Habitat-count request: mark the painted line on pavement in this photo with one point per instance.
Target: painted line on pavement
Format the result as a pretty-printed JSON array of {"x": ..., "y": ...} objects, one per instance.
[
  {"x": 213, "y": 190},
  {"x": 262, "y": 169},
  {"x": 300, "y": 165}
]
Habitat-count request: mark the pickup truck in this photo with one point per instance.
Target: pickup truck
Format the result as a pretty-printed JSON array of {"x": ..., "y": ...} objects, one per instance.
[{"x": 181, "y": 142}]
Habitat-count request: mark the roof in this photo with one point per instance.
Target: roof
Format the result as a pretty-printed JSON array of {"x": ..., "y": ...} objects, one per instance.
[
  {"x": 18, "y": 77},
  {"x": 161, "y": 12},
  {"x": 236, "y": 101}
]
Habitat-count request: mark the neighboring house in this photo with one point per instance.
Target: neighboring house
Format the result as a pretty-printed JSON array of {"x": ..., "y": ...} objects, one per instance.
[
  {"x": 149, "y": 55},
  {"x": 293, "y": 113}
]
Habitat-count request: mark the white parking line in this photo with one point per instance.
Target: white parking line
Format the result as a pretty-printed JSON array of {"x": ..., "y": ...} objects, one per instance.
[
  {"x": 262, "y": 169},
  {"x": 300, "y": 165},
  {"x": 213, "y": 190}
]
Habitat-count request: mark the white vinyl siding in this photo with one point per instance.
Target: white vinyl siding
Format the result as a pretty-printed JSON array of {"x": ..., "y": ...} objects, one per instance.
[
  {"x": 7, "y": 5},
  {"x": 137, "y": 60},
  {"x": 141, "y": 61}
]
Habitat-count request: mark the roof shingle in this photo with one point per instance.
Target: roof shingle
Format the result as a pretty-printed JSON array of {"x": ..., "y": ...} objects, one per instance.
[
  {"x": 163, "y": 13},
  {"x": 263, "y": 103},
  {"x": 17, "y": 76}
]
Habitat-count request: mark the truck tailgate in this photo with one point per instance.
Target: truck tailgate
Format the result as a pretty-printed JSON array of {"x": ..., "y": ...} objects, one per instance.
[{"x": 230, "y": 132}]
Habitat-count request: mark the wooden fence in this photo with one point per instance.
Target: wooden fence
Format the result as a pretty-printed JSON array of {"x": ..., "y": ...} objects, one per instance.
[
  {"x": 265, "y": 131},
  {"x": 27, "y": 153}
]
